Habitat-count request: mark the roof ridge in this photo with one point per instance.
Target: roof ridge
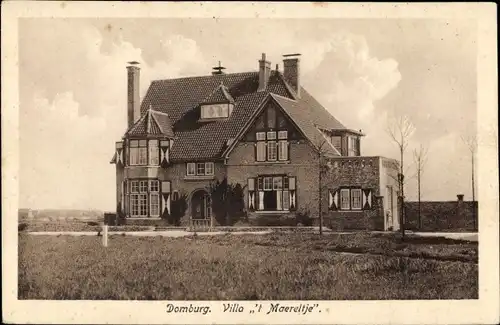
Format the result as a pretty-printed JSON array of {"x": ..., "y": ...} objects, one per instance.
[
  {"x": 204, "y": 76},
  {"x": 159, "y": 112},
  {"x": 283, "y": 97},
  {"x": 157, "y": 124}
]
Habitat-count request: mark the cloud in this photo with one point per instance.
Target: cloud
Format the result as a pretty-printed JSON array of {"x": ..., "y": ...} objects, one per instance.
[{"x": 67, "y": 136}]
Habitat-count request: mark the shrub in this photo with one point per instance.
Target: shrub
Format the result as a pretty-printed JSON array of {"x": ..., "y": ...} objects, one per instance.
[
  {"x": 178, "y": 209},
  {"x": 228, "y": 203},
  {"x": 22, "y": 226},
  {"x": 303, "y": 217}
]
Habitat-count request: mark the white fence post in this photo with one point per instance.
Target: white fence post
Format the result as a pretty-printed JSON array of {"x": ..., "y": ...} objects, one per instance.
[{"x": 105, "y": 235}]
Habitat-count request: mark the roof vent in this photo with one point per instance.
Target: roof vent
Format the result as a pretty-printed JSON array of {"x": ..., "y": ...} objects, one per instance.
[{"x": 218, "y": 70}]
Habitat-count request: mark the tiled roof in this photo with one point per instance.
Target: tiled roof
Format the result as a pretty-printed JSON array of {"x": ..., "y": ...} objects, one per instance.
[
  {"x": 152, "y": 123},
  {"x": 219, "y": 95},
  {"x": 310, "y": 116},
  {"x": 198, "y": 140}
]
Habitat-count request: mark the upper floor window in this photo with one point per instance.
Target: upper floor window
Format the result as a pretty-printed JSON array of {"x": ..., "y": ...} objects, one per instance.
[
  {"x": 216, "y": 110},
  {"x": 337, "y": 142},
  {"x": 272, "y": 146},
  {"x": 144, "y": 152},
  {"x": 200, "y": 169},
  {"x": 352, "y": 146}
]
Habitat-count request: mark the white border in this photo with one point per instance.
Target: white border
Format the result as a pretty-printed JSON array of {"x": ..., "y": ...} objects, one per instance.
[{"x": 482, "y": 311}]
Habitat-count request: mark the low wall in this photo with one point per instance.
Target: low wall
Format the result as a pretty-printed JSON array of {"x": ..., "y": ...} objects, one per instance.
[{"x": 442, "y": 215}]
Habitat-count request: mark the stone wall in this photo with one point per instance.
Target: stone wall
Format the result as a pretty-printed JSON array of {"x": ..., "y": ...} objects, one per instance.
[{"x": 442, "y": 215}]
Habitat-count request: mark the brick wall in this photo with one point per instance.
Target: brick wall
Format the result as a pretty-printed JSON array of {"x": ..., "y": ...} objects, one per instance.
[
  {"x": 303, "y": 165},
  {"x": 442, "y": 215},
  {"x": 362, "y": 172}
]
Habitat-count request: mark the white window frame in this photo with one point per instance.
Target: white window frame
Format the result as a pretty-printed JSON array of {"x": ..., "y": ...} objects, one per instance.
[
  {"x": 154, "y": 152},
  {"x": 267, "y": 186},
  {"x": 272, "y": 150},
  {"x": 357, "y": 191},
  {"x": 343, "y": 192},
  {"x": 198, "y": 165},
  {"x": 191, "y": 169},
  {"x": 261, "y": 151},
  {"x": 282, "y": 135},
  {"x": 209, "y": 168},
  {"x": 283, "y": 150}
]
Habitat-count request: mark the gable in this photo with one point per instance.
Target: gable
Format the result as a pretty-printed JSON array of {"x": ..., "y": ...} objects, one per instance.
[{"x": 272, "y": 118}]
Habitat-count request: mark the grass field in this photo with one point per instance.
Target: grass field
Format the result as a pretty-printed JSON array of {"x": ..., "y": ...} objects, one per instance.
[{"x": 230, "y": 267}]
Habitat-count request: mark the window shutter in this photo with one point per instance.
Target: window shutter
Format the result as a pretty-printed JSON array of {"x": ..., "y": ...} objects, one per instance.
[
  {"x": 166, "y": 195},
  {"x": 367, "y": 199},
  {"x": 119, "y": 154},
  {"x": 260, "y": 200},
  {"x": 251, "y": 194},
  {"x": 333, "y": 200},
  {"x": 292, "y": 193},
  {"x": 164, "y": 153},
  {"x": 126, "y": 198}
]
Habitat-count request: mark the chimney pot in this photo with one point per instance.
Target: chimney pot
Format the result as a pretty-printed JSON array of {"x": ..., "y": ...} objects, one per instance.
[{"x": 460, "y": 197}]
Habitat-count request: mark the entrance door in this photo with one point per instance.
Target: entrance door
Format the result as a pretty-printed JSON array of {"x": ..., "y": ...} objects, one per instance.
[{"x": 200, "y": 205}]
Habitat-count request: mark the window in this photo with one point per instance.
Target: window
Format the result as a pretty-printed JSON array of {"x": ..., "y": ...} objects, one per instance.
[
  {"x": 154, "y": 151},
  {"x": 191, "y": 169},
  {"x": 216, "y": 111},
  {"x": 200, "y": 169},
  {"x": 209, "y": 168},
  {"x": 144, "y": 198},
  {"x": 353, "y": 146},
  {"x": 356, "y": 199},
  {"x": 271, "y": 150},
  {"x": 344, "y": 199},
  {"x": 138, "y": 152},
  {"x": 283, "y": 150},
  {"x": 337, "y": 143},
  {"x": 273, "y": 192},
  {"x": 268, "y": 149},
  {"x": 351, "y": 199}
]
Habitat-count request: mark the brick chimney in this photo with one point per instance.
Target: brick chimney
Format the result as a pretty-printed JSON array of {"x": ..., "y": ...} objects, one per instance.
[
  {"x": 291, "y": 71},
  {"x": 264, "y": 72},
  {"x": 133, "y": 100}
]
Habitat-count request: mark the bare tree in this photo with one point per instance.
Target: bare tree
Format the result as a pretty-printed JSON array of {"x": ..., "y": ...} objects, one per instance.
[
  {"x": 400, "y": 130},
  {"x": 420, "y": 158},
  {"x": 324, "y": 167},
  {"x": 471, "y": 143}
]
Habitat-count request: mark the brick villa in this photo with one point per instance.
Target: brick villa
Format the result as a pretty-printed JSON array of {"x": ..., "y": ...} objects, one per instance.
[{"x": 260, "y": 129}]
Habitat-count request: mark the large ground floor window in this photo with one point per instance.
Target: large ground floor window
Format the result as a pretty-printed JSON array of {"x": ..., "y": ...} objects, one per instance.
[
  {"x": 143, "y": 198},
  {"x": 272, "y": 193}
]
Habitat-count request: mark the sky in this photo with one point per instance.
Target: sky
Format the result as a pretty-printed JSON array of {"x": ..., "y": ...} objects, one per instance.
[{"x": 72, "y": 88}]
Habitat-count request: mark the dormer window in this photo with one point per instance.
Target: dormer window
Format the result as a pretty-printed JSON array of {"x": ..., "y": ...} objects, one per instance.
[
  {"x": 215, "y": 111},
  {"x": 218, "y": 104},
  {"x": 352, "y": 146}
]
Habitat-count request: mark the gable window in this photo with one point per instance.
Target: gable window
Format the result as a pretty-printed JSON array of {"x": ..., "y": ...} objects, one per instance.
[
  {"x": 200, "y": 169},
  {"x": 272, "y": 146}
]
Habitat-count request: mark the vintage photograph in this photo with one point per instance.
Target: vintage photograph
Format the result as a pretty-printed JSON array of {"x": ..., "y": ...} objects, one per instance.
[
  {"x": 267, "y": 164},
  {"x": 247, "y": 160}
]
